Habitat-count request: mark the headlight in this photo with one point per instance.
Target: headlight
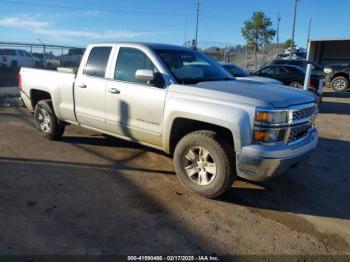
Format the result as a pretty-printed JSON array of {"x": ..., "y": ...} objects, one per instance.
[
  {"x": 269, "y": 135},
  {"x": 328, "y": 70},
  {"x": 271, "y": 117},
  {"x": 270, "y": 125}
]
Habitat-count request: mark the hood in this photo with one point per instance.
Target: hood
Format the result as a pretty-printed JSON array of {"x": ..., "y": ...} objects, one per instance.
[
  {"x": 261, "y": 79},
  {"x": 254, "y": 93}
]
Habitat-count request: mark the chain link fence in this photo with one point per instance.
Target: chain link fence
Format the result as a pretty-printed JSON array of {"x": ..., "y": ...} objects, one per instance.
[
  {"x": 14, "y": 55},
  {"x": 240, "y": 55}
]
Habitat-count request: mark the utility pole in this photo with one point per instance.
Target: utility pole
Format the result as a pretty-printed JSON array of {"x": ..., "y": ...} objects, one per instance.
[
  {"x": 44, "y": 52},
  {"x": 278, "y": 31},
  {"x": 186, "y": 29},
  {"x": 308, "y": 33},
  {"x": 293, "y": 29},
  {"x": 196, "y": 41}
]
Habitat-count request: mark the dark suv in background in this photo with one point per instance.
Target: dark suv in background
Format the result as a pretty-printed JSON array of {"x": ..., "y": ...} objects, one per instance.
[
  {"x": 293, "y": 76},
  {"x": 289, "y": 75},
  {"x": 317, "y": 69},
  {"x": 337, "y": 76}
]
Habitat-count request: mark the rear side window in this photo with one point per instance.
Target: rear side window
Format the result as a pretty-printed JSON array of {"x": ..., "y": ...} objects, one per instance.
[
  {"x": 296, "y": 70},
  {"x": 296, "y": 63},
  {"x": 7, "y": 52},
  {"x": 129, "y": 61},
  {"x": 282, "y": 70},
  {"x": 97, "y": 61}
]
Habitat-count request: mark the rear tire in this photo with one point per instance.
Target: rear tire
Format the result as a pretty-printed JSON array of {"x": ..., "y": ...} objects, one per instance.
[
  {"x": 47, "y": 122},
  {"x": 340, "y": 84},
  {"x": 204, "y": 163}
]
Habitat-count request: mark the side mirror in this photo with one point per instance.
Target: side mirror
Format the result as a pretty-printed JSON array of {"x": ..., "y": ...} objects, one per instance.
[{"x": 144, "y": 75}]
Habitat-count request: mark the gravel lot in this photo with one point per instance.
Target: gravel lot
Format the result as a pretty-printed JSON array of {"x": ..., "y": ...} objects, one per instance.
[{"x": 89, "y": 194}]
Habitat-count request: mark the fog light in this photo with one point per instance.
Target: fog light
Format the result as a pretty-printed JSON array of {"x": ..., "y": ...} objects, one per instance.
[{"x": 269, "y": 135}]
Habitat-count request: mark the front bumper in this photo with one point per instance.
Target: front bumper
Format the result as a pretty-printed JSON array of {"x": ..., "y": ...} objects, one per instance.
[
  {"x": 259, "y": 163},
  {"x": 327, "y": 80}
]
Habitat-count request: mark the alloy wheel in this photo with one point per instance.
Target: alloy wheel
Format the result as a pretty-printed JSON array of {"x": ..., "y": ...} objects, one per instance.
[
  {"x": 44, "y": 120},
  {"x": 199, "y": 165}
]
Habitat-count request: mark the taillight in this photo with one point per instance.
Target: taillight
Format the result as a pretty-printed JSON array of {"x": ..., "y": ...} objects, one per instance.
[
  {"x": 19, "y": 81},
  {"x": 311, "y": 84}
]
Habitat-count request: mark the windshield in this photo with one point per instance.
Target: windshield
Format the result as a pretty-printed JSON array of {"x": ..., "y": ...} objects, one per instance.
[
  {"x": 236, "y": 71},
  {"x": 191, "y": 67},
  {"x": 7, "y": 52}
]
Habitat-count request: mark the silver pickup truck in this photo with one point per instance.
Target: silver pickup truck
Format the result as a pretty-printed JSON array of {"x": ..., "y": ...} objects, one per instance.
[{"x": 182, "y": 102}]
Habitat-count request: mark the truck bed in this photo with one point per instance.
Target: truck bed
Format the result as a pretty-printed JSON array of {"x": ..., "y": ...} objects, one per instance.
[{"x": 59, "y": 84}]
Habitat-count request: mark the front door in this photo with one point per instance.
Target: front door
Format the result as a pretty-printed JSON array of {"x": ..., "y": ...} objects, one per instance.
[
  {"x": 134, "y": 109},
  {"x": 90, "y": 89}
]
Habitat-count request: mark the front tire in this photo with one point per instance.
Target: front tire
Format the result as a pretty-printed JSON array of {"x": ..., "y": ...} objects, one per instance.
[
  {"x": 47, "y": 122},
  {"x": 340, "y": 84},
  {"x": 204, "y": 164}
]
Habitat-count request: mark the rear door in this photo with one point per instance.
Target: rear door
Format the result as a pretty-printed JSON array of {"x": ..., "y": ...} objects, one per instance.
[
  {"x": 134, "y": 109},
  {"x": 90, "y": 88}
]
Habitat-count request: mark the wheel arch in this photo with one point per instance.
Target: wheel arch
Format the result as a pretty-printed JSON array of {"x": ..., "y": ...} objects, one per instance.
[
  {"x": 340, "y": 74},
  {"x": 190, "y": 114},
  {"x": 36, "y": 95},
  {"x": 182, "y": 126}
]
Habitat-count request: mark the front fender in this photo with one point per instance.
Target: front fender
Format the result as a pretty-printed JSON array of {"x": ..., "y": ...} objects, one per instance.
[{"x": 235, "y": 117}]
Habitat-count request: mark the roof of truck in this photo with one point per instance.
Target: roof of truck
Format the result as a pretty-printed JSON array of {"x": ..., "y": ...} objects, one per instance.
[{"x": 150, "y": 45}]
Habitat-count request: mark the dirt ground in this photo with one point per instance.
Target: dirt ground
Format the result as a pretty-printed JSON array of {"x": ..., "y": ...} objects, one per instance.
[{"x": 89, "y": 194}]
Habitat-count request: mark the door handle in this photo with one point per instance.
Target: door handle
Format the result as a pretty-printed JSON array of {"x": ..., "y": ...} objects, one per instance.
[
  {"x": 113, "y": 90},
  {"x": 82, "y": 86}
]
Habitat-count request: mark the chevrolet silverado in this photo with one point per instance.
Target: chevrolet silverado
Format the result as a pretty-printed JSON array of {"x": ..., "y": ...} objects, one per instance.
[{"x": 182, "y": 102}]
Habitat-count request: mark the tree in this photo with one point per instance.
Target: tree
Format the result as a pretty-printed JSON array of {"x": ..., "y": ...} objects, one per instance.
[
  {"x": 287, "y": 44},
  {"x": 258, "y": 31}
]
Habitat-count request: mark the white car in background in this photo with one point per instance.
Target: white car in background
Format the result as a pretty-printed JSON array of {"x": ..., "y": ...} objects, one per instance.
[
  {"x": 240, "y": 74},
  {"x": 51, "y": 61},
  {"x": 15, "y": 58},
  {"x": 73, "y": 58}
]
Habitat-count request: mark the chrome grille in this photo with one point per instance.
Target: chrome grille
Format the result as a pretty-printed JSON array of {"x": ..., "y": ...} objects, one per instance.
[
  {"x": 303, "y": 113},
  {"x": 298, "y": 132}
]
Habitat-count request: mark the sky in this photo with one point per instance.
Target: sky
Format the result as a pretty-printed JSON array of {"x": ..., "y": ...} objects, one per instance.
[{"x": 79, "y": 22}]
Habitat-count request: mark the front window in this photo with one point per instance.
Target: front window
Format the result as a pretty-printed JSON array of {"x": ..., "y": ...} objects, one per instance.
[
  {"x": 269, "y": 71},
  {"x": 191, "y": 67},
  {"x": 129, "y": 61}
]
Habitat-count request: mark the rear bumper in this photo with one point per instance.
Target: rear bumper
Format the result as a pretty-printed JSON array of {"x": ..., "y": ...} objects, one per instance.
[
  {"x": 259, "y": 163},
  {"x": 26, "y": 100},
  {"x": 327, "y": 80}
]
